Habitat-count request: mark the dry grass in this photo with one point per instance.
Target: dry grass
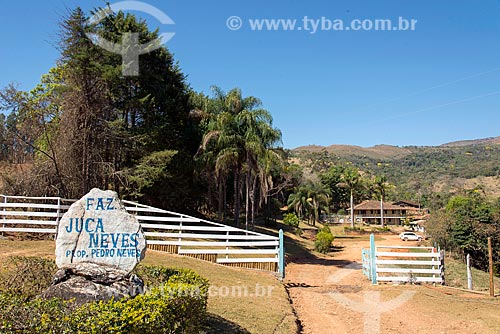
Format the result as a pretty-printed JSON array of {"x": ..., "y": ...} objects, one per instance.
[
  {"x": 235, "y": 313},
  {"x": 271, "y": 313},
  {"x": 456, "y": 276}
]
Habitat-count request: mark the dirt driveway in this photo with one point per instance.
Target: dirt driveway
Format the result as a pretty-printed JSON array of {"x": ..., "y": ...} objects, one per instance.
[{"x": 331, "y": 295}]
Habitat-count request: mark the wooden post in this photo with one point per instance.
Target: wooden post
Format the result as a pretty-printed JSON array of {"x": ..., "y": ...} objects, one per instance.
[
  {"x": 373, "y": 259},
  {"x": 443, "y": 277},
  {"x": 469, "y": 274},
  {"x": 490, "y": 258},
  {"x": 281, "y": 257},
  {"x": 4, "y": 212}
]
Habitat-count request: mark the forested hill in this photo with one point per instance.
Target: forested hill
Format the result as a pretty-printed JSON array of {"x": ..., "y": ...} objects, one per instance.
[{"x": 446, "y": 168}]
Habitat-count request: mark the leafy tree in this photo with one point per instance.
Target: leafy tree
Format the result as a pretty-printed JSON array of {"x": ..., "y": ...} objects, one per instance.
[
  {"x": 332, "y": 179},
  {"x": 465, "y": 224},
  {"x": 85, "y": 125}
]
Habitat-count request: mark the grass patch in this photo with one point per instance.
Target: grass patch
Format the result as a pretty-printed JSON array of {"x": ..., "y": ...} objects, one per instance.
[{"x": 456, "y": 276}]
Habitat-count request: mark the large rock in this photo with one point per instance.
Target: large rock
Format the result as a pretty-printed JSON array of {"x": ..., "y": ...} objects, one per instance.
[
  {"x": 98, "y": 245},
  {"x": 88, "y": 282},
  {"x": 97, "y": 229}
]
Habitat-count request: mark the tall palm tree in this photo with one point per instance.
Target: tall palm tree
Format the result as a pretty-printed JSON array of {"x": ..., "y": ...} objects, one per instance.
[
  {"x": 351, "y": 179},
  {"x": 381, "y": 186},
  {"x": 224, "y": 141},
  {"x": 239, "y": 134},
  {"x": 260, "y": 138},
  {"x": 269, "y": 162}
]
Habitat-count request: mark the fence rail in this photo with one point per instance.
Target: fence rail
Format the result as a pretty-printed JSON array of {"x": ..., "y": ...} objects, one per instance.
[
  {"x": 403, "y": 264},
  {"x": 164, "y": 230}
]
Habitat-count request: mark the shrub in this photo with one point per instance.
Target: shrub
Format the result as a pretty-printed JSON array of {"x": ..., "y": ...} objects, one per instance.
[
  {"x": 170, "y": 308},
  {"x": 326, "y": 229},
  {"x": 158, "y": 275},
  {"x": 383, "y": 229},
  {"x": 21, "y": 315},
  {"x": 291, "y": 219},
  {"x": 324, "y": 240}
]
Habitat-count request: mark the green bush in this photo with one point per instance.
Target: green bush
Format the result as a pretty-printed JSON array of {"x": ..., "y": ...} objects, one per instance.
[
  {"x": 324, "y": 240},
  {"x": 19, "y": 314},
  {"x": 326, "y": 229},
  {"x": 158, "y": 275},
  {"x": 175, "y": 302},
  {"x": 170, "y": 308},
  {"x": 291, "y": 219}
]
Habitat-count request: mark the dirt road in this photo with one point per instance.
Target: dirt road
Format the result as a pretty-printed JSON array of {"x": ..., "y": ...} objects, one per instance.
[{"x": 331, "y": 295}]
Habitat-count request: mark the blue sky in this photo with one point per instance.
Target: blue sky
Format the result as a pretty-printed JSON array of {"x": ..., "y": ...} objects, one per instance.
[{"x": 436, "y": 84}]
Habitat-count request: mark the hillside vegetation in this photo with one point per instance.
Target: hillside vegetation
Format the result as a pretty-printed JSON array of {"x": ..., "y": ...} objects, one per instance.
[{"x": 417, "y": 172}]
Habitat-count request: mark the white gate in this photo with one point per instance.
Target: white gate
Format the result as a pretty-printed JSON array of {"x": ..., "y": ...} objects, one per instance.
[
  {"x": 403, "y": 264},
  {"x": 409, "y": 264}
]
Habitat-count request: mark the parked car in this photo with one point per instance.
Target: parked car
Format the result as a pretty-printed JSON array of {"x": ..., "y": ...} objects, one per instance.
[{"x": 405, "y": 236}]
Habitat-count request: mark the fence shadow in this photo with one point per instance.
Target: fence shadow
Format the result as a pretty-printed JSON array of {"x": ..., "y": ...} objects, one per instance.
[{"x": 215, "y": 324}]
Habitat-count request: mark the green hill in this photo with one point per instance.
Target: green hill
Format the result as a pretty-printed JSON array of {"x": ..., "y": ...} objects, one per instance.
[{"x": 417, "y": 171}]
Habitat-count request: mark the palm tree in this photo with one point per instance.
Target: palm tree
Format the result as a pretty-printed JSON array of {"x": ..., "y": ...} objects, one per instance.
[
  {"x": 260, "y": 138},
  {"x": 224, "y": 141},
  {"x": 239, "y": 134},
  {"x": 351, "y": 179},
  {"x": 298, "y": 201},
  {"x": 270, "y": 162},
  {"x": 381, "y": 186},
  {"x": 309, "y": 200},
  {"x": 318, "y": 200}
]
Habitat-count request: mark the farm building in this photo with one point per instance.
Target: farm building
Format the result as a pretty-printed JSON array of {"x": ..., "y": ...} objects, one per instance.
[{"x": 394, "y": 212}]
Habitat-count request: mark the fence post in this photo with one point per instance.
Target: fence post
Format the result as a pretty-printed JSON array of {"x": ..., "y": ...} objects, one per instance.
[
  {"x": 281, "y": 257},
  {"x": 180, "y": 236},
  {"x": 227, "y": 243},
  {"x": 373, "y": 259},
  {"x": 441, "y": 257},
  {"x": 469, "y": 274},
  {"x": 4, "y": 212},
  {"x": 58, "y": 214},
  {"x": 490, "y": 260}
]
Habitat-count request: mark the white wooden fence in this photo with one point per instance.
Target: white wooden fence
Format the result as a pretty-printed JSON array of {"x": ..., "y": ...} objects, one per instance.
[
  {"x": 32, "y": 215},
  {"x": 409, "y": 264},
  {"x": 165, "y": 231},
  {"x": 403, "y": 264}
]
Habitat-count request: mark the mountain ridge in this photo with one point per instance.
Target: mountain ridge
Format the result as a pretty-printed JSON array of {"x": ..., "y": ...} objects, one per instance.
[
  {"x": 434, "y": 171},
  {"x": 383, "y": 151}
]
